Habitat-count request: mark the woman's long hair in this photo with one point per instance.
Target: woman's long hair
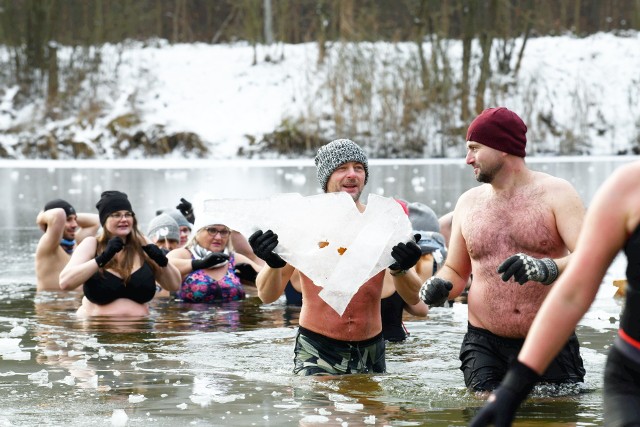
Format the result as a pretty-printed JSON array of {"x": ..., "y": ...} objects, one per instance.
[{"x": 132, "y": 250}]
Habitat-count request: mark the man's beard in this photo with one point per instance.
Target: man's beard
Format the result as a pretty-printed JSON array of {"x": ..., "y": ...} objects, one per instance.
[{"x": 488, "y": 175}]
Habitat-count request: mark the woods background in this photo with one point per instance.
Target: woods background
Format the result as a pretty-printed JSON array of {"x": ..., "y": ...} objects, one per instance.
[{"x": 33, "y": 31}]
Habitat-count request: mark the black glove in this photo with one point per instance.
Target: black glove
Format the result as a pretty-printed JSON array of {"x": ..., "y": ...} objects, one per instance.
[
  {"x": 156, "y": 254},
  {"x": 246, "y": 272},
  {"x": 524, "y": 268},
  {"x": 186, "y": 208},
  {"x": 114, "y": 245},
  {"x": 263, "y": 245},
  {"x": 406, "y": 254},
  {"x": 435, "y": 291},
  {"x": 515, "y": 388},
  {"x": 214, "y": 259}
]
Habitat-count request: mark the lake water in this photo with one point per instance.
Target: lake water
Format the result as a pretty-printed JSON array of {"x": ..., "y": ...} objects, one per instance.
[{"x": 231, "y": 364}]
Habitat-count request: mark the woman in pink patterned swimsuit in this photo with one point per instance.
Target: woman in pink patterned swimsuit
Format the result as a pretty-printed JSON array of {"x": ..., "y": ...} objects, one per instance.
[{"x": 207, "y": 265}]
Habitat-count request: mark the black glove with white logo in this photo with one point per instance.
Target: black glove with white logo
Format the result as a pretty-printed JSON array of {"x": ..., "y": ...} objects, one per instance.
[
  {"x": 435, "y": 291},
  {"x": 524, "y": 268}
]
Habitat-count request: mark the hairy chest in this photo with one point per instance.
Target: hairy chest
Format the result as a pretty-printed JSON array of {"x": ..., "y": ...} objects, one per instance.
[{"x": 501, "y": 226}]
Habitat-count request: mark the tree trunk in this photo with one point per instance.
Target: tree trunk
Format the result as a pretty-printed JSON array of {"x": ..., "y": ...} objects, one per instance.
[
  {"x": 468, "y": 32},
  {"x": 268, "y": 23}
]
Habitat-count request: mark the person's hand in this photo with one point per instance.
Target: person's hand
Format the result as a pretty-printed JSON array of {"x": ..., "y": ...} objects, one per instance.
[
  {"x": 186, "y": 208},
  {"x": 156, "y": 254},
  {"x": 114, "y": 245},
  {"x": 505, "y": 400},
  {"x": 406, "y": 255},
  {"x": 246, "y": 272},
  {"x": 435, "y": 291},
  {"x": 263, "y": 245},
  {"x": 524, "y": 268},
  {"x": 211, "y": 260}
]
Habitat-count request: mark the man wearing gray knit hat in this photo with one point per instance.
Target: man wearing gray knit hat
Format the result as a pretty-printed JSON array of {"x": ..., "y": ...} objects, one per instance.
[
  {"x": 336, "y": 154},
  {"x": 164, "y": 232},
  {"x": 329, "y": 343}
]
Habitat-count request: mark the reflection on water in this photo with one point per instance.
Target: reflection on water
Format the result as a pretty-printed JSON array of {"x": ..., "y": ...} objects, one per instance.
[{"x": 230, "y": 364}]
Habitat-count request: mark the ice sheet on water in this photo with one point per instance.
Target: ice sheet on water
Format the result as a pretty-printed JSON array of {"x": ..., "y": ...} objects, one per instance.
[
  {"x": 325, "y": 236},
  {"x": 119, "y": 418}
]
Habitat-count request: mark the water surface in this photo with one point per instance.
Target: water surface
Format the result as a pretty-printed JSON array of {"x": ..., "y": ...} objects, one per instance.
[{"x": 230, "y": 364}]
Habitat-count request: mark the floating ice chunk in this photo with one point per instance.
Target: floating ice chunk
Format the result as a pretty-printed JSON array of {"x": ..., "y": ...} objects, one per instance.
[
  {"x": 17, "y": 331},
  {"x": 311, "y": 419},
  {"x": 40, "y": 377},
  {"x": 348, "y": 406},
  {"x": 18, "y": 355},
  {"x": 371, "y": 419},
  {"x": 119, "y": 418},
  {"x": 68, "y": 380},
  {"x": 9, "y": 345},
  {"x": 291, "y": 405},
  {"x": 182, "y": 406},
  {"x": 136, "y": 398},
  {"x": 91, "y": 382}
]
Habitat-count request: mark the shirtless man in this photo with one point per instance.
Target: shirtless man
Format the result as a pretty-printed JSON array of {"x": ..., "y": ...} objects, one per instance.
[
  {"x": 63, "y": 230},
  {"x": 327, "y": 343},
  {"x": 518, "y": 227}
]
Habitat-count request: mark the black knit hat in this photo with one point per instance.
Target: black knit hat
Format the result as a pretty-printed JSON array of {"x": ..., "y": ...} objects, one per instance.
[
  {"x": 59, "y": 203},
  {"x": 110, "y": 202},
  {"x": 336, "y": 153}
]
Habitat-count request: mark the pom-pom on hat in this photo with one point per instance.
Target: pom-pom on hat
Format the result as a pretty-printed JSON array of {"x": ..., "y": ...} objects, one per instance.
[
  {"x": 499, "y": 128},
  {"x": 110, "y": 202},
  {"x": 336, "y": 153},
  {"x": 59, "y": 203}
]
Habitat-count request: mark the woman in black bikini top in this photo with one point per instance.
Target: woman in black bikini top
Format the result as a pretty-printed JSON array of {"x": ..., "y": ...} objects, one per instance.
[{"x": 119, "y": 268}]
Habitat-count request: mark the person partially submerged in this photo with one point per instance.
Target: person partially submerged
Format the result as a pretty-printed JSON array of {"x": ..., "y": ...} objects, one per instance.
[
  {"x": 119, "y": 269},
  {"x": 328, "y": 343},
  {"x": 63, "y": 229}
]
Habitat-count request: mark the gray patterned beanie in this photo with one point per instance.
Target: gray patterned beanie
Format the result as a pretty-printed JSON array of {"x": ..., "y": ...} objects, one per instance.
[
  {"x": 336, "y": 153},
  {"x": 163, "y": 227}
]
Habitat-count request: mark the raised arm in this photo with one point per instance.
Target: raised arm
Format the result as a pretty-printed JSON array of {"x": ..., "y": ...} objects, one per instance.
[
  {"x": 89, "y": 225},
  {"x": 52, "y": 222}
]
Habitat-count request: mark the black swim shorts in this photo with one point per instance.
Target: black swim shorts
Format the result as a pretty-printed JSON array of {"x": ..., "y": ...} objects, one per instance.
[{"x": 486, "y": 357}]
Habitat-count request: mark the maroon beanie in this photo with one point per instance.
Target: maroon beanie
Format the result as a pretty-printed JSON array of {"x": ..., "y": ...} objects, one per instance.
[{"x": 499, "y": 128}]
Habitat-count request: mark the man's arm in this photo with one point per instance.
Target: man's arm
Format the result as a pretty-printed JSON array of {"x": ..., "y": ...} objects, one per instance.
[
  {"x": 89, "y": 224},
  {"x": 451, "y": 280},
  {"x": 272, "y": 281},
  {"x": 408, "y": 286},
  {"x": 52, "y": 222},
  {"x": 457, "y": 267}
]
